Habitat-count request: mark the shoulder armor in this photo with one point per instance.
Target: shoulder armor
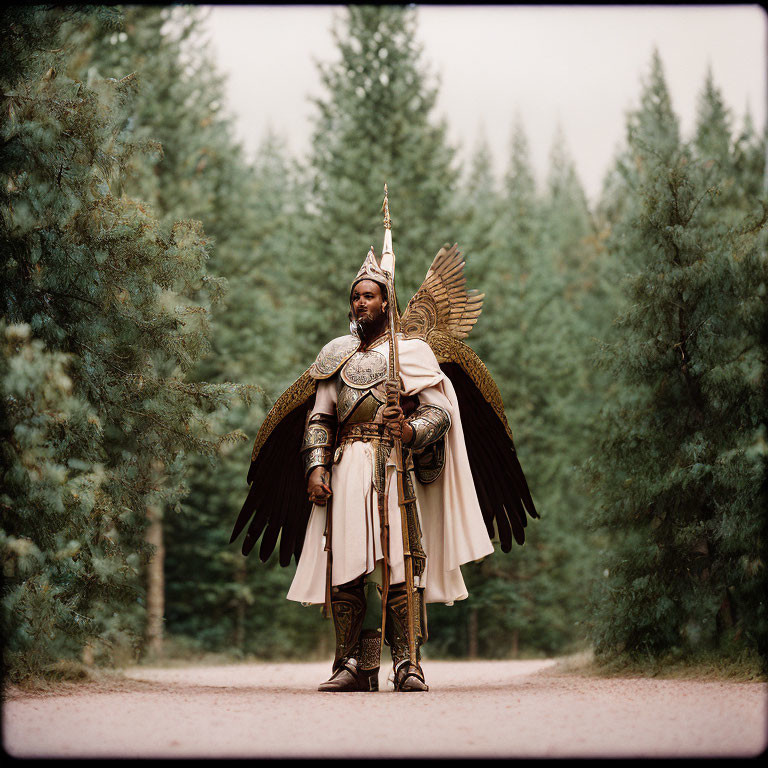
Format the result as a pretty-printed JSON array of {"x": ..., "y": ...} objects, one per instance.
[{"x": 333, "y": 355}]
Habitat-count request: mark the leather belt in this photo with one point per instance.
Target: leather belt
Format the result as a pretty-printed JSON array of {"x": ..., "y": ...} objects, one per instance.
[{"x": 366, "y": 431}]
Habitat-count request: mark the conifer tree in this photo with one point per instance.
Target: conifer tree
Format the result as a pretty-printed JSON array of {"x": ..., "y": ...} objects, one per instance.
[
  {"x": 675, "y": 469},
  {"x": 534, "y": 258},
  {"x": 477, "y": 208},
  {"x": 104, "y": 307},
  {"x": 231, "y": 601},
  {"x": 374, "y": 126},
  {"x": 245, "y": 208}
]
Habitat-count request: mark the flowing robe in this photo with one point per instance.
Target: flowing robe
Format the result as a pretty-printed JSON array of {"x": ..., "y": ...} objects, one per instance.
[{"x": 452, "y": 523}]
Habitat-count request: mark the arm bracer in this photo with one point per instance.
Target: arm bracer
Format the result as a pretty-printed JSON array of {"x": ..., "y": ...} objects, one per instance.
[
  {"x": 429, "y": 423},
  {"x": 317, "y": 446}
]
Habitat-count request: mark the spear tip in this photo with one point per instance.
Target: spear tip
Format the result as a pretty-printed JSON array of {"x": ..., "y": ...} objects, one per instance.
[{"x": 385, "y": 208}]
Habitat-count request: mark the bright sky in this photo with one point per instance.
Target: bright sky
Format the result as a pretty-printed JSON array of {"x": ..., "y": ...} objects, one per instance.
[{"x": 581, "y": 67}]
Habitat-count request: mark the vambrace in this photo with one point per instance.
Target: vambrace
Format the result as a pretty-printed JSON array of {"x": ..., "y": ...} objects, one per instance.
[
  {"x": 429, "y": 423},
  {"x": 317, "y": 446}
]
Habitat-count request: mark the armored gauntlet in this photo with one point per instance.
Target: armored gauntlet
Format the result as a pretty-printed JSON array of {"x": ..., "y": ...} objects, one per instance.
[
  {"x": 429, "y": 424},
  {"x": 317, "y": 447}
]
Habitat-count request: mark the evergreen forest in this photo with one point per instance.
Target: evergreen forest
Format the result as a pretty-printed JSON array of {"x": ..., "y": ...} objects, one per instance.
[{"x": 161, "y": 289}]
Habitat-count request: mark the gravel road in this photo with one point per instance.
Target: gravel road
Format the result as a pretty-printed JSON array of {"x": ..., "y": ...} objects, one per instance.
[{"x": 473, "y": 709}]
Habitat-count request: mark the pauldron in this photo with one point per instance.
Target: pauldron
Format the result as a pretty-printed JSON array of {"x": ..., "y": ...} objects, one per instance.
[
  {"x": 333, "y": 355},
  {"x": 429, "y": 423},
  {"x": 317, "y": 446}
]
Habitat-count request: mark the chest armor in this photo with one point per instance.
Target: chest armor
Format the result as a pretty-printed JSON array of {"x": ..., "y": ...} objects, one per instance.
[{"x": 360, "y": 388}]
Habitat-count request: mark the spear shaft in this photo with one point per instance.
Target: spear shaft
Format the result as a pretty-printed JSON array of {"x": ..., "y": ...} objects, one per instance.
[{"x": 393, "y": 399}]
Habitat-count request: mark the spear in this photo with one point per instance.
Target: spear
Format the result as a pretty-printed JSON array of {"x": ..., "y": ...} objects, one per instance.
[{"x": 393, "y": 399}]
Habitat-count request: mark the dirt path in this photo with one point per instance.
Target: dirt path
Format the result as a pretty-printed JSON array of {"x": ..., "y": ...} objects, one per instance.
[{"x": 474, "y": 709}]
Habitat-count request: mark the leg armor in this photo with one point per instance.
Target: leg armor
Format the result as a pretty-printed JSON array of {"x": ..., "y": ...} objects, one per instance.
[
  {"x": 408, "y": 673},
  {"x": 356, "y": 649},
  {"x": 370, "y": 637}
]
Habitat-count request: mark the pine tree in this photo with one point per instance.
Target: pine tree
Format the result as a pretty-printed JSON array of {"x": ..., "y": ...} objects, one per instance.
[
  {"x": 245, "y": 208},
  {"x": 230, "y": 601},
  {"x": 477, "y": 208},
  {"x": 535, "y": 259},
  {"x": 677, "y": 475},
  {"x": 374, "y": 126},
  {"x": 104, "y": 307}
]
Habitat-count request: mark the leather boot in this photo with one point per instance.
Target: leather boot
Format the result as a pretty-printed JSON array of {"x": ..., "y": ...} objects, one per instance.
[
  {"x": 351, "y": 667},
  {"x": 408, "y": 673}
]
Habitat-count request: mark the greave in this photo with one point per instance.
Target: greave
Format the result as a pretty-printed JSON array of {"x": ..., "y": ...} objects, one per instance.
[
  {"x": 356, "y": 663},
  {"x": 348, "y": 610},
  {"x": 408, "y": 673}
]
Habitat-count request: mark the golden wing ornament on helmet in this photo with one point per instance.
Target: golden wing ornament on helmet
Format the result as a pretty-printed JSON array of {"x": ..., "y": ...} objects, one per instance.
[{"x": 442, "y": 313}]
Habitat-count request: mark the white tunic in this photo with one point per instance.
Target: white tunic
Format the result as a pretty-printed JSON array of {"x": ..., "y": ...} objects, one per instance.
[{"x": 452, "y": 524}]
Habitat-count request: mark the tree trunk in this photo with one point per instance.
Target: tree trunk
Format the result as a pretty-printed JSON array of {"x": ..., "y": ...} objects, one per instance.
[
  {"x": 472, "y": 650},
  {"x": 240, "y": 574},
  {"x": 88, "y": 657},
  {"x": 765, "y": 170},
  {"x": 515, "y": 638},
  {"x": 155, "y": 583}
]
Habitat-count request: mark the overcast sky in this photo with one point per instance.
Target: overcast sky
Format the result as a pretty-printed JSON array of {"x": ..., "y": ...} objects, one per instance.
[{"x": 580, "y": 67}]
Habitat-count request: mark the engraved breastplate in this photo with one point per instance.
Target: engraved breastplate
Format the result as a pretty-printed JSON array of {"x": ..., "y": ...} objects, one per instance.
[
  {"x": 360, "y": 387},
  {"x": 364, "y": 369}
]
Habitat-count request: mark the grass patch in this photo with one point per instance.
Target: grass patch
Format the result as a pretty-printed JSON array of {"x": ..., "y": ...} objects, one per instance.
[
  {"x": 748, "y": 667},
  {"x": 60, "y": 682}
]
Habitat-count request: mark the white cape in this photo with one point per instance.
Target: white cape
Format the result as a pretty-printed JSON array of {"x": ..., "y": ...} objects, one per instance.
[{"x": 452, "y": 523}]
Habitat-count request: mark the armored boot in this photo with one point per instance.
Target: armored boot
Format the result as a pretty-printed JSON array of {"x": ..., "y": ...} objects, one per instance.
[
  {"x": 370, "y": 637},
  {"x": 357, "y": 650},
  {"x": 407, "y": 672}
]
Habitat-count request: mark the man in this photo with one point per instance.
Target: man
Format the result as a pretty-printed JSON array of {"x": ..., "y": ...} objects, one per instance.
[{"x": 394, "y": 483}]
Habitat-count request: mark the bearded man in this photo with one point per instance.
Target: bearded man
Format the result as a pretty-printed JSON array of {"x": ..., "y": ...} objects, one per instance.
[{"x": 400, "y": 497}]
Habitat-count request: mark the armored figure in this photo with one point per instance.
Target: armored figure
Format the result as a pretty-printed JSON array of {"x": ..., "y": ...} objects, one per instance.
[{"x": 385, "y": 467}]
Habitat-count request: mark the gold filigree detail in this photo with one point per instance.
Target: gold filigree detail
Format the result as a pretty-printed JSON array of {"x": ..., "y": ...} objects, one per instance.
[
  {"x": 442, "y": 302},
  {"x": 367, "y": 409},
  {"x": 364, "y": 369},
  {"x": 414, "y": 543},
  {"x": 396, "y": 630},
  {"x": 346, "y": 400},
  {"x": 385, "y": 209},
  {"x": 420, "y": 316},
  {"x": 293, "y": 397},
  {"x": 429, "y": 423},
  {"x": 370, "y": 649},
  {"x": 333, "y": 355},
  {"x": 450, "y": 350},
  {"x": 317, "y": 447},
  {"x": 429, "y": 463},
  {"x": 343, "y": 614}
]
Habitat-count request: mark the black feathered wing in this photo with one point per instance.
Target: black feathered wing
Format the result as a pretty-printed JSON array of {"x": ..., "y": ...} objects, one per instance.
[
  {"x": 277, "y": 504},
  {"x": 442, "y": 312},
  {"x": 500, "y": 484}
]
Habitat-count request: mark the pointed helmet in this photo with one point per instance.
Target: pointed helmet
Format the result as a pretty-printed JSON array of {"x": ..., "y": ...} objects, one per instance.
[
  {"x": 370, "y": 271},
  {"x": 384, "y": 272}
]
